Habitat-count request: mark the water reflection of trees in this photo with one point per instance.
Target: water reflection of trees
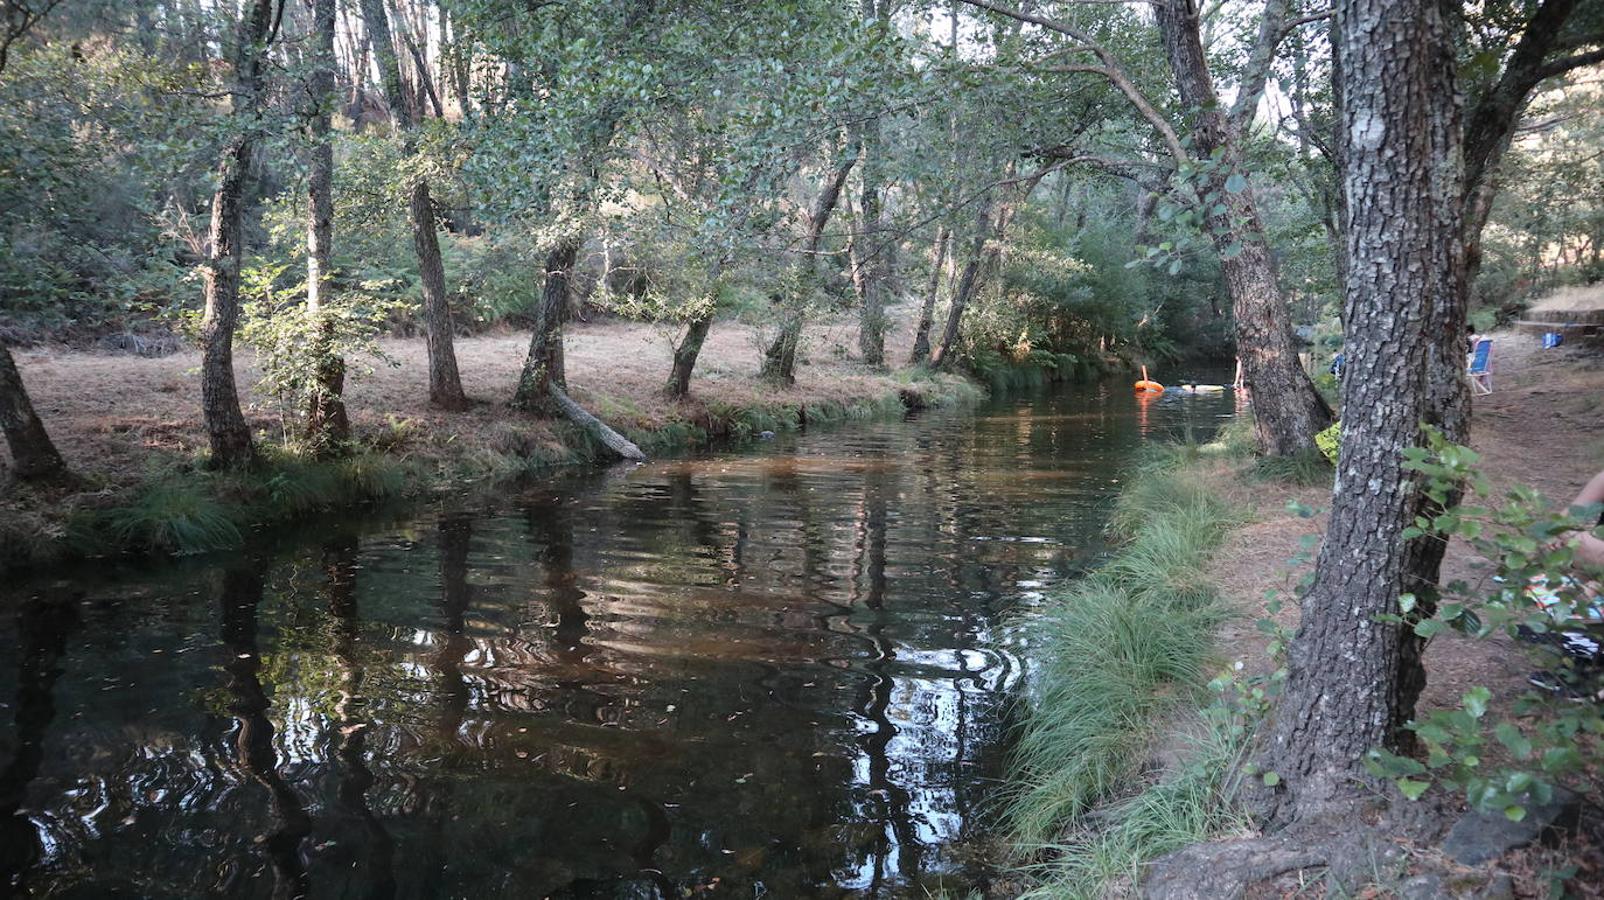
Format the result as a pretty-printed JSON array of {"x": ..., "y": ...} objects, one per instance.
[
  {"x": 241, "y": 599},
  {"x": 43, "y": 627},
  {"x": 775, "y": 669}
]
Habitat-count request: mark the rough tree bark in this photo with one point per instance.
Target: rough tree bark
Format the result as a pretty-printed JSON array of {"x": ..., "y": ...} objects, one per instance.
[
  {"x": 779, "y": 360},
  {"x": 1403, "y": 188},
  {"x": 1489, "y": 127},
  {"x": 1287, "y": 409},
  {"x": 445, "y": 384},
  {"x": 543, "y": 384},
  {"x": 33, "y": 455},
  {"x": 226, "y": 430},
  {"x": 927, "y": 312},
  {"x": 327, "y": 425}
]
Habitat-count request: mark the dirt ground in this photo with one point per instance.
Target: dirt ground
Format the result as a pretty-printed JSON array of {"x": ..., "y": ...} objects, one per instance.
[
  {"x": 1543, "y": 426},
  {"x": 114, "y": 415}
]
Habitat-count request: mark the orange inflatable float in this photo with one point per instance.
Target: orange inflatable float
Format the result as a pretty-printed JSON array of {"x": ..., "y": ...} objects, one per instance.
[{"x": 1148, "y": 387}]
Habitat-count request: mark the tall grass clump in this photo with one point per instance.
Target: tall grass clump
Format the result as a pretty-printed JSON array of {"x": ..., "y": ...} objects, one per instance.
[
  {"x": 1191, "y": 805},
  {"x": 172, "y": 515},
  {"x": 1123, "y": 650}
]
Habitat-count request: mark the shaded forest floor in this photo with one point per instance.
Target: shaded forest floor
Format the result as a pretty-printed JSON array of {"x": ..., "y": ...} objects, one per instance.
[
  {"x": 1543, "y": 427},
  {"x": 124, "y": 421}
]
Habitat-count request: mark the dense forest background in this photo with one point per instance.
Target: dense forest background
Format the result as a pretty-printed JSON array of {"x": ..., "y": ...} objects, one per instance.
[{"x": 681, "y": 148}]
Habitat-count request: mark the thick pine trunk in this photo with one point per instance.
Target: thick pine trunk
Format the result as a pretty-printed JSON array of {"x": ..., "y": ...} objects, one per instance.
[
  {"x": 445, "y": 384},
  {"x": 327, "y": 425},
  {"x": 226, "y": 429},
  {"x": 1287, "y": 409},
  {"x": 32, "y": 453},
  {"x": 544, "y": 367},
  {"x": 927, "y": 312},
  {"x": 1347, "y": 687}
]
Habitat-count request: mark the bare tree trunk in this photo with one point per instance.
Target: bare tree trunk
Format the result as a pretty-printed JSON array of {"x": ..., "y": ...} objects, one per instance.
[
  {"x": 685, "y": 354},
  {"x": 445, "y": 384},
  {"x": 544, "y": 366},
  {"x": 874, "y": 269},
  {"x": 612, "y": 440},
  {"x": 779, "y": 360},
  {"x": 327, "y": 425},
  {"x": 32, "y": 452},
  {"x": 226, "y": 430},
  {"x": 927, "y": 312},
  {"x": 690, "y": 346},
  {"x": 1287, "y": 409},
  {"x": 968, "y": 284},
  {"x": 1345, "y": 691}
]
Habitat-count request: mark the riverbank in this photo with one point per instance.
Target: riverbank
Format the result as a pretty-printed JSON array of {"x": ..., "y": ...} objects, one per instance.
[
  {"x": 130, "y": 429},
  {"x": 1126, "y": 759}
]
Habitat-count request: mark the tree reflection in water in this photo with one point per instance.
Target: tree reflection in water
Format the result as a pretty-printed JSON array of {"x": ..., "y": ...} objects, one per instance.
[
  {"x": 775, "y": 673},
  {"x": 43, "y": 627},
  {"x": 241, "y": 598}
]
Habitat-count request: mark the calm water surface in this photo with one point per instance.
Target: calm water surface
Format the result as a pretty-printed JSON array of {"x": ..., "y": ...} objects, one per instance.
[{"x": 778, "y": 673}]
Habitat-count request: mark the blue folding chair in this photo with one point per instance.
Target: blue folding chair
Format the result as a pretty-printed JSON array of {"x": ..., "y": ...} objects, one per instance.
[{"x": 1481, "y": 367}]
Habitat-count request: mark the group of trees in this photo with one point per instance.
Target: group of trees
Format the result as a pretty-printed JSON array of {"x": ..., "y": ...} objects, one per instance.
[
  {"x": 1057, "y": 177},
  {"x": 314, "y": 167}
]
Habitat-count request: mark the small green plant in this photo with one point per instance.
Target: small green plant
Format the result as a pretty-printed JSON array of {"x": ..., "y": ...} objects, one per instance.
[
  {"x": 295, "y": 347},
  {"x": 1531, "y": 589},
  {"x": 1330, "y": 442}
]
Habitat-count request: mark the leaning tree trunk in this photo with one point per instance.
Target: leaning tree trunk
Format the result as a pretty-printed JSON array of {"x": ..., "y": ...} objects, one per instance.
[
  {"x": 327, "y": 425},
  {"x": 445, "y": 384},
  {"x": 685, "y": 354},
  {"x": 1287, "y": 409},
  {"x": 32, "y": 453},
  {"x": 875, "y": 270},
  {"x": 226, "y": 430},
  {"x": 779, "y": 360},
  {"x": 968, "y": 283},
  {"x": 927, "y": 312},
  {"x": 690, "y": 346},
  {"x": 544, "y": 367},
  {"x": 1402, "y": 183}
]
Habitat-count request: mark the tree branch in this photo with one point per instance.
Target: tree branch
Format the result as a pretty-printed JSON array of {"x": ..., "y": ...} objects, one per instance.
[
  {"x": 1110, "y": 68},
  {"x": 1561, "y": 66}
]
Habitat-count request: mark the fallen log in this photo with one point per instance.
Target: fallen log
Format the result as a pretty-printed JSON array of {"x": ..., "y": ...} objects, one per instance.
[{"x": 598, "y": 429}]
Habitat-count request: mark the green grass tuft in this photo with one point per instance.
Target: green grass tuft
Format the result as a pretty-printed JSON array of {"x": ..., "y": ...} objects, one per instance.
[
  {"x": 1123, "y": 650},
  {"x": 1192, "y": 804},
  {"x": 174, "y": 515}
]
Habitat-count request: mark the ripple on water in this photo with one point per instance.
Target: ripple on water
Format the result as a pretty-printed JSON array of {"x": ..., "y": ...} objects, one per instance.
[{"x": 786, "y": 670}]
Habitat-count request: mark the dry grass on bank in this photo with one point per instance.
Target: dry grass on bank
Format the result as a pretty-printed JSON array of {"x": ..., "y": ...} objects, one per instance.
[{"x": 116, "y": 415}]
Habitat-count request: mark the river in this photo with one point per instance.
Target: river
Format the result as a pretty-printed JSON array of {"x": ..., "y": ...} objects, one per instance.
[{"x": 781, "y": 671}]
